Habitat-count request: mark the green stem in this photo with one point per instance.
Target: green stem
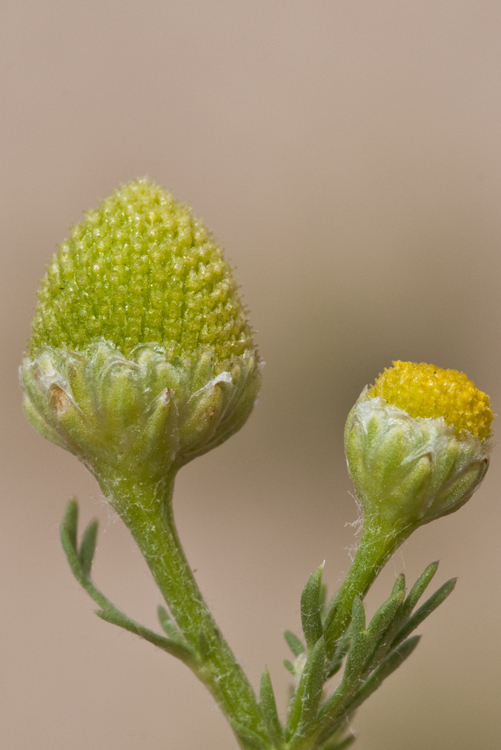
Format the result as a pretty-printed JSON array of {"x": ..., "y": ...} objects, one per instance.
[
  {"x": 377, "y": 545},
  {"x": 146, "y": 509}
]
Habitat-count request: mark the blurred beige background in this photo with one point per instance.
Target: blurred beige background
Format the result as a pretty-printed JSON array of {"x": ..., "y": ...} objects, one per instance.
[{"x": 347, "y": 155}]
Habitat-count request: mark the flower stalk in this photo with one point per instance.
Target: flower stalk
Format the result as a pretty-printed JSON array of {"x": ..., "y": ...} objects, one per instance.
[
  {"x": 146, "y": 510},
  {"x": 375, "y": 548}
]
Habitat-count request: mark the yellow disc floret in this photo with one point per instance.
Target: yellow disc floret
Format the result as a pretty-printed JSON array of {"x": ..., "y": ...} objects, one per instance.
[
  {"x": 427, "y": 391},
  {"x": 141, "y": 270}
]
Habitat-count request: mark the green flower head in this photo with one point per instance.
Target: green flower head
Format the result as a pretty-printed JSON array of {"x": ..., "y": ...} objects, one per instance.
[{"x": 141, "y": 357}]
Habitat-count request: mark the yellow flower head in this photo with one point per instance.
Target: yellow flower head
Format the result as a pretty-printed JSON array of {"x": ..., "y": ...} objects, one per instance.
[{"x": 427, "y": 391}]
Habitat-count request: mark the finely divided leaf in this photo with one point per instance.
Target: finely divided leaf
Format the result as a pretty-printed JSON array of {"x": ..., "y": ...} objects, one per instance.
[
  {"x": 88, "y": 547},
  {"x": 80, "y": 563},
  {"x": 385, "y": 615},
  {"x": 314, "y": 682},
  {"x": 269, "y": 710},
  {"x": 115, "y": 617},
  {"x": 389, "y": 665},
  {"x": 70, "y": 523},
  {"x": 290, "y": 666},
  {"x": 323, "y": 595},
  {"x": 422, "y": 613},
  {"x": 399, "y": 584},
  {"x": 361, "y": 646},
  {"x": 311, "y": 619},
  {"x": 419, "y": 588},
  {"x": 294, "y": 643},
  {"x": 337, "y": 660}
]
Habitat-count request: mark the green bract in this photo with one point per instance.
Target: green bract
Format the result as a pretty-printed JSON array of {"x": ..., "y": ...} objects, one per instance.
[{"x": 137, "y": 415}]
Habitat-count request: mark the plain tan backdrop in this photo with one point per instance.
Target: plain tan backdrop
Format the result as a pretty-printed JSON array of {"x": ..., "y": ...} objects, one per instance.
[{"x": 347, "y": 155}]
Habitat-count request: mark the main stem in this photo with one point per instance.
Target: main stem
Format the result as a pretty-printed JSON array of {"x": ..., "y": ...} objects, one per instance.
[{"x": 146, "y": 509}]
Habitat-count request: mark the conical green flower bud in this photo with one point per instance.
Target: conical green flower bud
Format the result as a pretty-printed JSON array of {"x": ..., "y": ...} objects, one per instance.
[{"x": 141, "y": 356}]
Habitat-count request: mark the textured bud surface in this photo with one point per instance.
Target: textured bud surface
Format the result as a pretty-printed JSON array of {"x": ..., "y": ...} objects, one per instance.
[
  {"x": 139, "y": 270},
  {"x": 424, "y": 390}
]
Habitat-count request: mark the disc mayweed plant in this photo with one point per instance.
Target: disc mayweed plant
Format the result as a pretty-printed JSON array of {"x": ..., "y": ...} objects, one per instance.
[{"x": 141, "y": 359}]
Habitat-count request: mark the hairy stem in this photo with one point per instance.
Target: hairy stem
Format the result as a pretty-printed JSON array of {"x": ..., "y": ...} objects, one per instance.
[
  {"x": 146, "y": 509},
  {"x": 377, "y": 545}
]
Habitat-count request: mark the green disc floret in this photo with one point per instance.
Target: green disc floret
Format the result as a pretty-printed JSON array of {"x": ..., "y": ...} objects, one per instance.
[{"x": 141, "y": 269}]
